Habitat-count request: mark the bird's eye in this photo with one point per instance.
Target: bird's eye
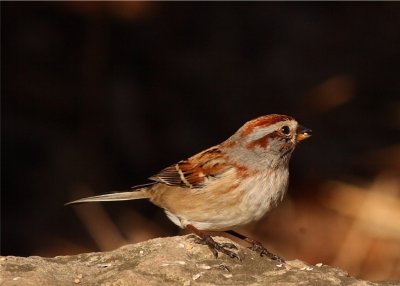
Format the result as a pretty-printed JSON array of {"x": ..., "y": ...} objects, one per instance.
[{"x": 285, "y": 130}]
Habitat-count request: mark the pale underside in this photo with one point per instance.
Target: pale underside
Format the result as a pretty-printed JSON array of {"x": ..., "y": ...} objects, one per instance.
[{"x": 224, "y": 203}]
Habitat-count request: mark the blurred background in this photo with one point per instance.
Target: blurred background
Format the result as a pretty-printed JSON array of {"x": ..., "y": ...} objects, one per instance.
[{"x": 99, "y": 96}]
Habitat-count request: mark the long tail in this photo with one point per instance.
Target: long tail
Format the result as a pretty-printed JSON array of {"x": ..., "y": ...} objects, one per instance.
[{"x": 139, "y": 192}]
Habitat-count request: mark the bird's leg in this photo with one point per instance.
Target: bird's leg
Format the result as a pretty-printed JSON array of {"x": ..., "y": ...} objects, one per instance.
[
  {"x": 215, "y": 247},
  {"x": 256, "y": 246}
]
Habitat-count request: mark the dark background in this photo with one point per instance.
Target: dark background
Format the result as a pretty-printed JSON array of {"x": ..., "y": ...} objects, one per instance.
[{"x": 99, "y": 96}]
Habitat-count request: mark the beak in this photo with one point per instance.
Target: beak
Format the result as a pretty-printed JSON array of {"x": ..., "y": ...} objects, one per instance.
[{"x": 302, "y": 133}]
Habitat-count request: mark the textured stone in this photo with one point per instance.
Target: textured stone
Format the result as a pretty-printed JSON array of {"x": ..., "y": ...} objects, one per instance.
[{"x": 168, "y": 261}]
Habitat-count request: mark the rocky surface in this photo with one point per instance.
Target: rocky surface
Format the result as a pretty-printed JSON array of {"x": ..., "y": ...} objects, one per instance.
[{"x": 168, "y": 261}]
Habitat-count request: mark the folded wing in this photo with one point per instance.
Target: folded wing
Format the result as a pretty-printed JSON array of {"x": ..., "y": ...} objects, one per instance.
[{"x": 195, "y": 171}]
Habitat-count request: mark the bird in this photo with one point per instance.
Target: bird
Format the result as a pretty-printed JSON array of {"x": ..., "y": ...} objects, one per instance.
[{"x": 225, "y": 186}]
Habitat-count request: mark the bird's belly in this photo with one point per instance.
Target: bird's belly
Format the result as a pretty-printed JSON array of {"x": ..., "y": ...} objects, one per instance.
[{"x": 232, "y": 209}]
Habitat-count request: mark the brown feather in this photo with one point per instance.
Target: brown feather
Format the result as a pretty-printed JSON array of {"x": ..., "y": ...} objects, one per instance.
[
  {"x": 193, "y": 172},
  {"x": 263, "y": 121}
]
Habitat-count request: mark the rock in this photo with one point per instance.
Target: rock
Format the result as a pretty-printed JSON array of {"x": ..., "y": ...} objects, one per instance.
[{"x": 167, "y": 261}]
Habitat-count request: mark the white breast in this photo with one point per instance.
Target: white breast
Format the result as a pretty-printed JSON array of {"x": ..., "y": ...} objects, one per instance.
[{"x": 263, "y": 194}]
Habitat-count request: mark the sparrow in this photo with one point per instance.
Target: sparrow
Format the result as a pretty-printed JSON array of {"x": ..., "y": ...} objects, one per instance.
[{"x": 226, "y": 186}]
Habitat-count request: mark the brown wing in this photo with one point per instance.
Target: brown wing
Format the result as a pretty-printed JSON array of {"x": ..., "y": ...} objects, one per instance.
[{"x": 193, "y": 172}]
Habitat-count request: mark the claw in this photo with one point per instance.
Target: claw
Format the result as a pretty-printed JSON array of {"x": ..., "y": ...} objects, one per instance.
[
  {"x": 214, "y": 251},
  {"x": 216, "y": 247},
  {"x": 256, "y": 246},
  {"x": 259, "y": 248},
  {"x": 228, "y": 245},
  {"x": 224, "y": 268}
]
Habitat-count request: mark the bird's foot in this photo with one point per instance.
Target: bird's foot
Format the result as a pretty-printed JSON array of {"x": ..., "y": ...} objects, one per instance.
[
  {"x": 216, "y": 247},
  {"x": 259, "y": 248}
]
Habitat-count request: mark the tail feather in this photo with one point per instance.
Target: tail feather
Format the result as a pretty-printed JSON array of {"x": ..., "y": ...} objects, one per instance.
[{"x": 121, "y": 196}]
